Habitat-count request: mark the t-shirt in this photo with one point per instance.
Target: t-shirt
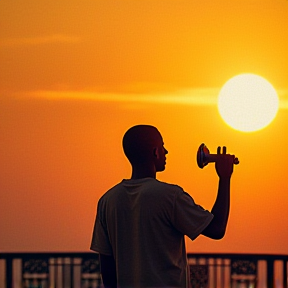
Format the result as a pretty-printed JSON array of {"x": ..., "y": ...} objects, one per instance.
[{"x": 142, "y": 223}]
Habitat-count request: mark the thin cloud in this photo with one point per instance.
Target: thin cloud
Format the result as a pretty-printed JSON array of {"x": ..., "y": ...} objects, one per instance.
[
  {"x": 283, "y": 96},
  {"x": 41, "y": 40},
  {"x": 195, "y": 97}
]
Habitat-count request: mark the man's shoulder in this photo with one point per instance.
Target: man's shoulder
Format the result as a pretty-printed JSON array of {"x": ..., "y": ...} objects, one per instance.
[
  {"x": 167, "y": 185},
  {"x": 111, "y": 191},
  {"x": 145, "y": 184}
]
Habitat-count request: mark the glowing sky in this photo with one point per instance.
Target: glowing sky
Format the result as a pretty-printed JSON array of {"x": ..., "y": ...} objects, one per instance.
[{"x": 74, "y": 75}]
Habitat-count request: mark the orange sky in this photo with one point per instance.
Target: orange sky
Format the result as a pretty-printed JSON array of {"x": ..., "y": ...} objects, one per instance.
[{"x": 74, "y": 76}]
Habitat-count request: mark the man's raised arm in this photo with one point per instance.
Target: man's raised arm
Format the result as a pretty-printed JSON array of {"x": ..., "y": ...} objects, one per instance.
[{"x": 224, "y": 168}]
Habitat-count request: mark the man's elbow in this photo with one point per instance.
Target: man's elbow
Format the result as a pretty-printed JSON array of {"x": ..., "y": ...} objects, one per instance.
[
  {"x": 218, "y": 235},
  {"x": 215, "y": 233}
]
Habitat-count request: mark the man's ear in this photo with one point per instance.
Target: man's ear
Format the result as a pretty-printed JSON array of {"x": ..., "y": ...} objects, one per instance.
[{"x": 156, "y": 152}]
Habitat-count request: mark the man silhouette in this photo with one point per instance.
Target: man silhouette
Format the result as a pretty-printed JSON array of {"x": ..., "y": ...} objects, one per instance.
[{"x": 141, "y": 222}]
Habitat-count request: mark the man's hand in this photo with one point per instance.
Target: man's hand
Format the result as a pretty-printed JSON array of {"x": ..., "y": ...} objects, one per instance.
[{"x": 224, "y": 164}]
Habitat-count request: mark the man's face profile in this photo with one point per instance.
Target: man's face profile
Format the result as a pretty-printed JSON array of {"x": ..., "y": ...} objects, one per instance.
[{"x": 160, "y": 152}]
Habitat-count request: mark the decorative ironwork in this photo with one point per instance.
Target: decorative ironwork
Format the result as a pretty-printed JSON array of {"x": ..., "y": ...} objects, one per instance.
[
  {"x": 247, "y": 267},
  {"x": 199, "y": 276},
  {"x": 38, "y": 266},
  {"x": 244, "y": 271},
  {"x": 90, "y": 266},
  {"x": 91, "y": 277},
  {"x": 35, "y": 273}
]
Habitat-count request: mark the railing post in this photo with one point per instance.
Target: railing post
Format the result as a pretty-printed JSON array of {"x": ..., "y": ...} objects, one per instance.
[
  {"x": 9, "y": 273},
  {"x": 270, "y": 273},
  {"x": 285, "y": 273}
]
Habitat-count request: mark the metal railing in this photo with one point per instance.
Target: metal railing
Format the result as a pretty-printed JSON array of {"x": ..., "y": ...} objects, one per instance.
[
  {"x": 82, "y": 270},
  {"x": 238, "y": 270}
]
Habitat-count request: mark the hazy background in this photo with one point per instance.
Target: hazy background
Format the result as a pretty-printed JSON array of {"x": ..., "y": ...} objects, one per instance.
[{"x": 75, "y": 75}]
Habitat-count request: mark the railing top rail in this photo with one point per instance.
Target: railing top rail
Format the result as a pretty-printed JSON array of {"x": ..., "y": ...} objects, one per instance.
[
  {"x": 240, "y": 255},
  {"x": 6, "y": 255}
]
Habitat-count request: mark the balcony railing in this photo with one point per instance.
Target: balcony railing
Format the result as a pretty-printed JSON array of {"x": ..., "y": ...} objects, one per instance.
[{"x": 82, "y": 270}]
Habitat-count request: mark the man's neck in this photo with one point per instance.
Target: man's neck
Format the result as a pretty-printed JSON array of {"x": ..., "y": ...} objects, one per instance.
[{"x": 143, "y": 172}]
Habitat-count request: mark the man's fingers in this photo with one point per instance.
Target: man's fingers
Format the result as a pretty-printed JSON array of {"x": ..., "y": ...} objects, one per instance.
[{"x": 218, "y": 150}]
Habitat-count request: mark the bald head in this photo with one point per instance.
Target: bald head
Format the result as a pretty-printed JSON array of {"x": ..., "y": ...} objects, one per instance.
[{"x": 139, "y": 141}]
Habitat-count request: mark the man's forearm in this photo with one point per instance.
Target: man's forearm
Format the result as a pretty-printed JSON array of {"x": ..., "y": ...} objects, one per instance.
[
  {"x": 221, "y": 206},
  {"x": 217, "y": 227}
]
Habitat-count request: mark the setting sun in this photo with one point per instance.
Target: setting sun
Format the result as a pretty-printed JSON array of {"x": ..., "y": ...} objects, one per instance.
[{"x": 248, "y": 102}]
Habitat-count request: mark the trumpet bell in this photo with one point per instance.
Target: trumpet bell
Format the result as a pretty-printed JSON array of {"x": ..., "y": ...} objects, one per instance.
[{"x": 202, "y": 153}]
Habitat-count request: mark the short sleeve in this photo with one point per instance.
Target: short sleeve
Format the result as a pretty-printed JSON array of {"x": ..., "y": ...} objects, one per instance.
[
  {"x": 100, "y": 239},
  {"x": 189, "y": 218}
]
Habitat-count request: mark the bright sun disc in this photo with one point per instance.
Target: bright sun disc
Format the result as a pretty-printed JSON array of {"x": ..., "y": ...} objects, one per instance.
[{"x": 248, "y": 102}]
